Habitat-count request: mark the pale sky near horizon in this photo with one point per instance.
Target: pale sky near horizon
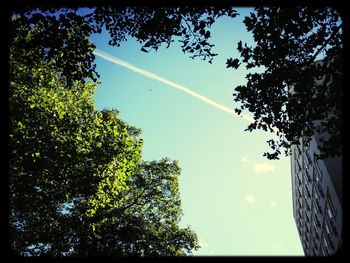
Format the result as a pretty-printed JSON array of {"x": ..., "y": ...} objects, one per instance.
[{"x": 238, "y": 202}]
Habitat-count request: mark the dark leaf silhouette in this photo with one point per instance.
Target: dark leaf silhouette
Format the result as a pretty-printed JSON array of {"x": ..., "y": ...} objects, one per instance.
[{"x": 295, "y": 92}]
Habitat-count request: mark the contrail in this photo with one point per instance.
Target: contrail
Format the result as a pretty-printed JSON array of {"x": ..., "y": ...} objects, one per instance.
[{"x": 151, "y": 75}]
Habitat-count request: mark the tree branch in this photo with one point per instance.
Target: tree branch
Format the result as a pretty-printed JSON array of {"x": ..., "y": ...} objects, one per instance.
[
  {"x": 134, "y": 202},
  {"x": 325, "y": 44}
]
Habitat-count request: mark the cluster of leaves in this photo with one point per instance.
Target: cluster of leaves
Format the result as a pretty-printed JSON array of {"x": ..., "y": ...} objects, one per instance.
[
  {"x": 287, "y": 43},
  {"x": 147, "y": 222},
  {"x": 154, "y": 26},
  {"x": 62, "y": 33},
  {"x": 76, "y": 172},
  {"x": 294, "y": 91},
  {"x": 59, "y": 38},
  {"x": 78, "y": 185}
]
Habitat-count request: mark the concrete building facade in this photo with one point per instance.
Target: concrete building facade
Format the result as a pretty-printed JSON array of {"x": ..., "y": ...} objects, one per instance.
[{"x": 317, "y": 199}]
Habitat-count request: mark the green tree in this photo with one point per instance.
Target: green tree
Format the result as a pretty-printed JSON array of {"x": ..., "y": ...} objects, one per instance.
[
  {"x": 147, "y": 222},
  {"x": 70, "y": 165},
  {"x": 293, "y": 90}
]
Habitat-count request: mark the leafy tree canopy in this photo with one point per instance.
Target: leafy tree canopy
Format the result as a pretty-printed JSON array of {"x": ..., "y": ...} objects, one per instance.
[
  {"x": 62, "y": 33},
  {"x": 78, "y": 185},
  {"x": 292, "y": 92},
  {"x": 298, "y": 89}
]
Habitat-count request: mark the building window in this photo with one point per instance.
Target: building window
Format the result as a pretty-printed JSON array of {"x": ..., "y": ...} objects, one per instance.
[
  {"x": 332, "y": 211},
  {"x": 318, "y": 175},
  {"x": 307, "y": 217},
  {"x": 329, "y": 241},
  {"x": 329, "y": 224},
  {"x": 326, "y": 246},
  {"x": 318, "y": 206},
  {"x": 299, "y": 166},
  {"x": 299, "y": 211},
  {"x": 307, "y": 228},
  {"x": 318, "y": 224},
  {"x": 299, "y": 204},
  {"x": 323, "y": 251},
  {"x": 316, "y": 234},
  {"x": 318, "y": 172},
  {"x": 308, "y": 176},
  {"x": 319, "y": 189},
  {"x": 309, "y": 158},
  {"x": 328, "y": 229},
  {"x": 297, "y": 180},
  {"x": 299, "y": 191},
  {"x": 335, "y": 231},
  {"x": 307, "y": 206},
  {"x": 299, "y": 230},
  {"x": 298, "y": 148},
  {"x": 308, "y": 192},
  {"x": 315, "y": 244}
]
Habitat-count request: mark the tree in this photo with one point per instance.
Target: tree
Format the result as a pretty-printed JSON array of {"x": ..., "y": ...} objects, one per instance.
[
  {"x": 62, "y": 34},
  {"x": 288, "y": 40},
  {"x": 70, "y": 165},
  {"x": 147, "y": 223},
  {"x": 294, "y": 91}
]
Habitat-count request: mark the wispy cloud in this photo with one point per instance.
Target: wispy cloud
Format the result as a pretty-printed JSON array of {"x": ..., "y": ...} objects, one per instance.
[
  {"x": 260, "y": 168},
  {"x": 156, "y": 77},
  {"x": 244, "y": 159},
  {"x": 250, "y": 198},
  {"x": 204, "y": 250},
  {"x": 273, "y": 204}
]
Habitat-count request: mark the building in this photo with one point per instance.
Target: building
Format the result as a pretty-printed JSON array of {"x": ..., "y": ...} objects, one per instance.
[{"x": 317, "y": 198}]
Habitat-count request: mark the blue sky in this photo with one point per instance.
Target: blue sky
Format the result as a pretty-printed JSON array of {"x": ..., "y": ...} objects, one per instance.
[{"x": 237, "y": 201}]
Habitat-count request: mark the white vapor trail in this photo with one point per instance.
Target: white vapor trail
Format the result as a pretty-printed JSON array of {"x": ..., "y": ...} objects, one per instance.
[{"x": 151, "y": 75}]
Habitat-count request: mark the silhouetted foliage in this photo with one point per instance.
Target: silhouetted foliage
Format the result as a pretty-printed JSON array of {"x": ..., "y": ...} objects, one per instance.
[
  {"x": 287, "y": 43},
  {"x": 62, "y": 34},
  {"x": 294, "y": 91}
]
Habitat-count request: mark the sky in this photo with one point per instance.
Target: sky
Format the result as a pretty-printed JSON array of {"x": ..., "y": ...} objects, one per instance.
[{"x": 238, "y": 202}]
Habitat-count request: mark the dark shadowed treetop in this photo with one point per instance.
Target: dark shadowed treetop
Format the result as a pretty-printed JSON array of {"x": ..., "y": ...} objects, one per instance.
[
  {"x": 62, "y": 33},
  {"x": 293, "y": 90}
]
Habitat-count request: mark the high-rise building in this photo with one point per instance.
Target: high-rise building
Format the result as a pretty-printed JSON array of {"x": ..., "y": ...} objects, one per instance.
[{"x": 317, "y": 198}]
